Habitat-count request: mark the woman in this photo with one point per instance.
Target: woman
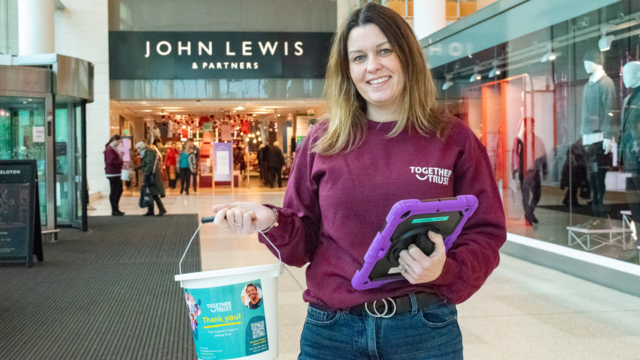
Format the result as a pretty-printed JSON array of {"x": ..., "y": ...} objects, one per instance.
[
  {"x": 151, "y": 177},
  {"x": 185, "y": 171},
  {"x": 170, "y": 164},
  {"x": 113, "y": 168},
  {"x": 348, "y": 173}
]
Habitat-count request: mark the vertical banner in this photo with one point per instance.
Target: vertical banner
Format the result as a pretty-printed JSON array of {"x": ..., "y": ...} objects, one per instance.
[
  {"x": 223, "y": 161},
  {"x": 228, "y": 322}
]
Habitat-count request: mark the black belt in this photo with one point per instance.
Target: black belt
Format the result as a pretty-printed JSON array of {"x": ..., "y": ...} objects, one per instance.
[{"x": 390, "y": 306}]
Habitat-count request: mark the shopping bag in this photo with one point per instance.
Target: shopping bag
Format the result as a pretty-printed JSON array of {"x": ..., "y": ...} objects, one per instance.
[{"x": 145, "y": 197}]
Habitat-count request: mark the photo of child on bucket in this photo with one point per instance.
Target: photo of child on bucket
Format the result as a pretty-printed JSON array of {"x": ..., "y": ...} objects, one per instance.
[
  {"x": 194, "y": 310},
  {"x": 252, "y": 296}
]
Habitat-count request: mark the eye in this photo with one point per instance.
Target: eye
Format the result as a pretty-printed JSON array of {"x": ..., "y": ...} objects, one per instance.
[
  {"x": 385, "y": 51},
  {"x": 358, "y": 58}
]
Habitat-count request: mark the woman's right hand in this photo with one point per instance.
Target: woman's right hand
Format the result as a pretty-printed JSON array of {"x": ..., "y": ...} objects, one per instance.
[{"x": 243, "y": 217}]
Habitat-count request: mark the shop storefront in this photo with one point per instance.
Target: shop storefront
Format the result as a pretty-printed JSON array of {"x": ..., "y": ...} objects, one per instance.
[
  {"x": 42, "y": 117},
  {"x": 552, "y": 99}
]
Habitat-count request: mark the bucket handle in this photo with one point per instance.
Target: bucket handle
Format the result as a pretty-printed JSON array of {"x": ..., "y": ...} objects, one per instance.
[{"x": 205, "y": 220}]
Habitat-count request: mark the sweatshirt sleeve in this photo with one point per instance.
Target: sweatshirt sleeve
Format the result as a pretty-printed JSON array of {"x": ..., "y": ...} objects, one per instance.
[
  {"x": 475, "y": 253},
  {"x": 299, "y": 219}
]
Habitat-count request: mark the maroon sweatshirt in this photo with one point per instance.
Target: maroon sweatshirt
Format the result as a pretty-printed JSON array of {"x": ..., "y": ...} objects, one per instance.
[
  {"x": 112, "y": 161},
  {"x": 335, "y": 205}
]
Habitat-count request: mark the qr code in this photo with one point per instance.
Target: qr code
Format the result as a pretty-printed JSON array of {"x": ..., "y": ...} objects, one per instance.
[{"x": 258, "y": 329}]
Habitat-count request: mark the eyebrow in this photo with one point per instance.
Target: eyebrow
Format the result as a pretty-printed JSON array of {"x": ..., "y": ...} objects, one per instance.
[{"x": 377, "y": 46}]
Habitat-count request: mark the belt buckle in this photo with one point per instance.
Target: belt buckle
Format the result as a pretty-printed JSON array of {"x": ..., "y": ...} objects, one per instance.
[{"x": 386, "y": 308}]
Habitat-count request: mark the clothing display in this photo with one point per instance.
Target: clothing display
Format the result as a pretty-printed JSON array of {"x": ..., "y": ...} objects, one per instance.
[
  {"x": 597, "y": 107},
  {"x": 598, "y": 96},
  {"x": 331, "y": 215},
  {"x": 629, "y": 150}
]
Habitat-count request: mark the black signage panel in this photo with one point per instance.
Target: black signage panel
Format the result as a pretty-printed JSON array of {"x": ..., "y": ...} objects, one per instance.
[
  {"x": 17, "y": 209},
  {"x": 217, "y": 55}
]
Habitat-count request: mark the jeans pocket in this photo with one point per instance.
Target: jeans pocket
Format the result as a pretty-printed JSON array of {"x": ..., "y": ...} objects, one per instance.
[
  {"x": 438, "y": 315},
  {"x": 322, "y": 318}
]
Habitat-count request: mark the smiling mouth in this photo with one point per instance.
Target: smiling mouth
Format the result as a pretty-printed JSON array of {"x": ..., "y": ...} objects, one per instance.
[{"x": 378, "y": 81}]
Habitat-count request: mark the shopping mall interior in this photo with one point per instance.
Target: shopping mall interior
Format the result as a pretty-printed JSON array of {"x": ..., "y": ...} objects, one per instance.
[
  {"x": 247, "y": 125},
  {"x": 548, "y": 88}
]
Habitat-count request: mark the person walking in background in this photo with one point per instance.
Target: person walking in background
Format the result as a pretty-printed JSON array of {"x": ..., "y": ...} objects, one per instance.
[
  {"x": 259, "y": 158},
  {"x": 113, "y": 168},
  {"x": 185, "y": 171},
  {"x": 170, "y": 164},
  {"x": 194, "y": 160},
  {"x": 265, "y": 164},
  {"x": 276, "y": 162},
  {"x": 151, "y": 177},
  {"x": 160, "y": 150}
]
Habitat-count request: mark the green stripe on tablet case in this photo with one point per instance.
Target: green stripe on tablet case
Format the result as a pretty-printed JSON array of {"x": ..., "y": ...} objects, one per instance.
[{"x": 426, "y": 220}]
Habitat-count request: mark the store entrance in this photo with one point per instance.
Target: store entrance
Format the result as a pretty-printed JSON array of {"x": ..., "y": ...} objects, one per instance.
[
  {"x": 68, "y": 155},
  {"x": 232, "y": 139},
  {"x": 44, "y": 120}
]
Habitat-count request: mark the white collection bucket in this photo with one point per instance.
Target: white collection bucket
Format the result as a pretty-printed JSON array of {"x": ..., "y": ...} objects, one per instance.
[
  {"x": 125, "y": 175},
  {"x": 233, "y": 313}
]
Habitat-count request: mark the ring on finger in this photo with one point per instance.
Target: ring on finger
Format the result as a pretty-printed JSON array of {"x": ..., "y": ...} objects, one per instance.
[
  {"x": 236, "y": 224},
  {"x": 405, "y": 268}
]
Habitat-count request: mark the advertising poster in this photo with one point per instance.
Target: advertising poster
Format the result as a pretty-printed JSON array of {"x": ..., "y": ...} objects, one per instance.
[
  {"x": 223, "y": 164},
  {"x": 228, "y": 322},
  {"x": 14, "y": 219},
  {"x": 18, "y": 211}
]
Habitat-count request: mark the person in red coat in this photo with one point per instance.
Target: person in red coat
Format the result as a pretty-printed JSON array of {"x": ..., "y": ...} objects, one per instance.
[
  {"x": 113, "y": 169},
  {"x": 170, "y": 164}
]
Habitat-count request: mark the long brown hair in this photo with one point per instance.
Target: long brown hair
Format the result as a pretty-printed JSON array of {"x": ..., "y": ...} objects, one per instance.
[{"x": 346, "y": 121}]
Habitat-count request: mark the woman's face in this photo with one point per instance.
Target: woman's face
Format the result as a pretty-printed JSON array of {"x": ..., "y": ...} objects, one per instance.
[{"x": 375, "y": 68}]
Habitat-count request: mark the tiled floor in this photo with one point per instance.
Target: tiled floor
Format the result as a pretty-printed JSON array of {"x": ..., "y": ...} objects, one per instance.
[{"x": 524, "y": 311}]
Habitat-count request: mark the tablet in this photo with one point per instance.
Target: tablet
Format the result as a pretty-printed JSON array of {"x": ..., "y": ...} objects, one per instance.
[{"x": 409, "y": 222}]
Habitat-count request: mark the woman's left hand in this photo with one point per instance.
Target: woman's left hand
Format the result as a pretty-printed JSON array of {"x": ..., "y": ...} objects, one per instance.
[{"x": 422, "y": 268}]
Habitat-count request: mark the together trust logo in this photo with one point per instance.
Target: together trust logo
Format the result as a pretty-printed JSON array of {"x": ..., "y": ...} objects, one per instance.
[{"x": 432, "y": 174}]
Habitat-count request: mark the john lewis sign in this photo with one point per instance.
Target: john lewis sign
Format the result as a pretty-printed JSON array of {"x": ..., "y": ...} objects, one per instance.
[{"x": 217, "y": 55}]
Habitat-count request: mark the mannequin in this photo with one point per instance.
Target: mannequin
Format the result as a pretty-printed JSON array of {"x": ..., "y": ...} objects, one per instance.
[
  {"x": 597, "y": 126},
  {"x": 630, "y": 139}
]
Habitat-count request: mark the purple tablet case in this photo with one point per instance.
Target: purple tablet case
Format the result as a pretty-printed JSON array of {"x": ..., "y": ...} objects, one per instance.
[{"x": 408, "y": 223}]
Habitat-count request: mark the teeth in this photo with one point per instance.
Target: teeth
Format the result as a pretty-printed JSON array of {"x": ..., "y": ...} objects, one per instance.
[{"x": 378, "y": 81}]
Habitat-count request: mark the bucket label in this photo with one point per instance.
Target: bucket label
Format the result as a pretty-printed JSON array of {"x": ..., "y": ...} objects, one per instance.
[{"x": 228, "y": 322}]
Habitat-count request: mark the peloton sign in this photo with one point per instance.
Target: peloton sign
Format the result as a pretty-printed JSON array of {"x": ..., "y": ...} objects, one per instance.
[{"x": 217, "y": 55}]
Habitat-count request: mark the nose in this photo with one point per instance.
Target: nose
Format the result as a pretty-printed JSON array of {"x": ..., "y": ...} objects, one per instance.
[{"x": 373, "y": 65}]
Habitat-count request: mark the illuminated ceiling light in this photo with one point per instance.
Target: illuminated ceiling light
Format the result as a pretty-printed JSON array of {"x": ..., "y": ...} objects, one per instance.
[
  {"x": 475, "y": 75},
  {"x": 550, "y": 55},
  {"x": 258, "y": 132},
  {"x": 259, "y": 139},
  {"x": 247, "y": 139},
  {"x": 254, "y": 141},
  {"x": 605, "y": 40},
  {"x": 239, "y": 108},
  {"x": 448, "y": 83},
  {"x": 495, "y": 71}
]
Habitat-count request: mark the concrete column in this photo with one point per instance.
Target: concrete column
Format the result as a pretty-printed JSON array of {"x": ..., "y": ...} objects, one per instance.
[
  {"x": 36, "y": 27},
  {"x": 429, "y": 16}
]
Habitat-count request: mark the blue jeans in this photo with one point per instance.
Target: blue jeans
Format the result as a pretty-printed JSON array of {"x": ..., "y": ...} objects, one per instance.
[{"x": 421, "y": 334}]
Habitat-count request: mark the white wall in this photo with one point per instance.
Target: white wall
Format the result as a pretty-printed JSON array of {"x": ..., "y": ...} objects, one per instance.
[{"x": 81, "y": 31}]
